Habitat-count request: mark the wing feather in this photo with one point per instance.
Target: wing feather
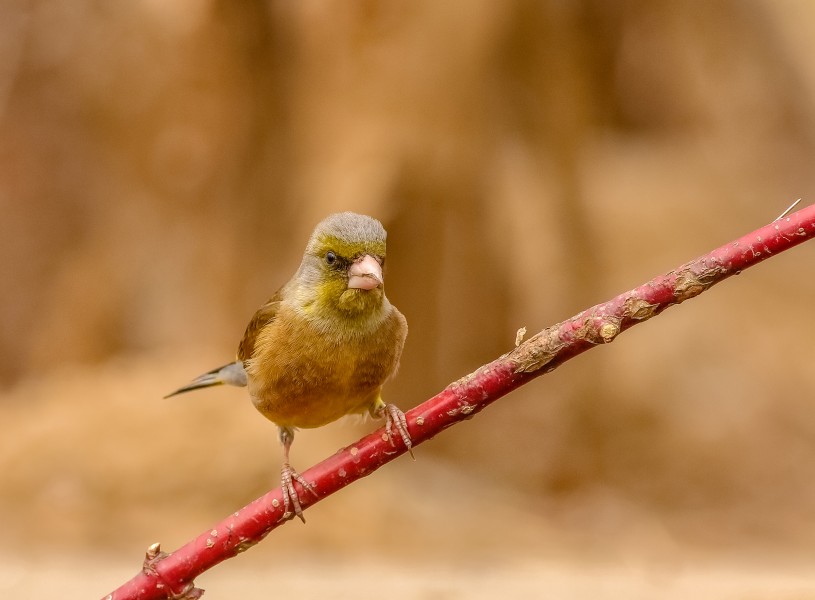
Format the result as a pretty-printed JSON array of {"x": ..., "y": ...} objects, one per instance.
[{"x": 264, "y": 315}]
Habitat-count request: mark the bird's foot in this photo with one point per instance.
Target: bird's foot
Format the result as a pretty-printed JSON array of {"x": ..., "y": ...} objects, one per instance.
[
  {"x": 395, "y": 419},
  {"x": 291, "y": 501}
]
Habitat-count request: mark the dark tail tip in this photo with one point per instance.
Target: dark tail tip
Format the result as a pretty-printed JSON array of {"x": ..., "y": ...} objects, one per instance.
[{"x": 192, "y": 387}]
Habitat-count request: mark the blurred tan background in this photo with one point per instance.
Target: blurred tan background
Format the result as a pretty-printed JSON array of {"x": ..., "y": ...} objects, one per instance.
[{"x": 162, "y": 163}]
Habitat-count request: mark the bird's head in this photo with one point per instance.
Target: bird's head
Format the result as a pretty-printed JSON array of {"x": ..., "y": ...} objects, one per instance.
[{"x": 343, "y": 264}]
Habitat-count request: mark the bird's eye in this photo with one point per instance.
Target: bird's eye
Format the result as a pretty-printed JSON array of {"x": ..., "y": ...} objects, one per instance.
[{"x": 330, "y": 258}]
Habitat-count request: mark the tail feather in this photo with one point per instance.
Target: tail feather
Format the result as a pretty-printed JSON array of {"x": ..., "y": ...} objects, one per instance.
[{"x": 231, "y": 374}]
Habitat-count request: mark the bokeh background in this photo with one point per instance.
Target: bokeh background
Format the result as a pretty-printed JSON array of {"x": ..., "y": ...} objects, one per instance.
[{"x": 162, "y": 164}]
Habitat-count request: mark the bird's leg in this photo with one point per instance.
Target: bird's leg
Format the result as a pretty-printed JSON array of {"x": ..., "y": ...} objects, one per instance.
[
  {"x": 288, "y": 476},
  {"x": 394, "y": 419}
]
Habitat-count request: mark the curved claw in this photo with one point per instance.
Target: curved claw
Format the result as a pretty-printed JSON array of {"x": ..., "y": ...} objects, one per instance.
[
  {"x": 395, "y": 419},
  {"x": 291, "y": 500}
]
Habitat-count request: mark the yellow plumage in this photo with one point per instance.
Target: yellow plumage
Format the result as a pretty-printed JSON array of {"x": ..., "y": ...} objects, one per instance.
[
  {"x": 325, "y": 343},
  {"x": 303, "y": 373}
]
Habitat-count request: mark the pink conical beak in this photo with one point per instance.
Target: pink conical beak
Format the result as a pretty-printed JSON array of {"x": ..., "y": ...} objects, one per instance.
[{"x": 365, "y": 273}]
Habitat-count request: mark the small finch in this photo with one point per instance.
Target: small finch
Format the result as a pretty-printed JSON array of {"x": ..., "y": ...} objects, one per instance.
[{"x": 324, "y": 344}]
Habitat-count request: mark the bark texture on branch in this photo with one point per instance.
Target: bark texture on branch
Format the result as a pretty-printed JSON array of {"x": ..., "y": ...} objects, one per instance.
[{"x": 172, "y": 575}]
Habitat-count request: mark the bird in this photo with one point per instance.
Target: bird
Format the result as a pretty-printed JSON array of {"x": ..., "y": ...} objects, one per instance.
[{"x": 323, "y": 346}]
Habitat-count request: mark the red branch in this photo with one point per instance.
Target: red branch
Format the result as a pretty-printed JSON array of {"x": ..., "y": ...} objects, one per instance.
[{"x": 172, "y": 575}]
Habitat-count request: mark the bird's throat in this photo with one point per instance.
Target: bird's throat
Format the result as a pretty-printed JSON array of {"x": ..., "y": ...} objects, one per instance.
[{"x": 359, "y": 303}]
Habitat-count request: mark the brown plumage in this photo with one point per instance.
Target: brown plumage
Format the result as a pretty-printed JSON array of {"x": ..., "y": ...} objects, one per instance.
[{"x": 325, "y": 343}]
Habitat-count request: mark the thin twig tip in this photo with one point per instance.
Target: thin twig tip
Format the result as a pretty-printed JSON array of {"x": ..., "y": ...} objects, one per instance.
[{"x": 789, "y": 208}]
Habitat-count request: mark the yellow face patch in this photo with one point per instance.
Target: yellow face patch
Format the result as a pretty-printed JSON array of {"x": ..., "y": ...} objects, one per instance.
[{"x": 349, "y": 250}]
